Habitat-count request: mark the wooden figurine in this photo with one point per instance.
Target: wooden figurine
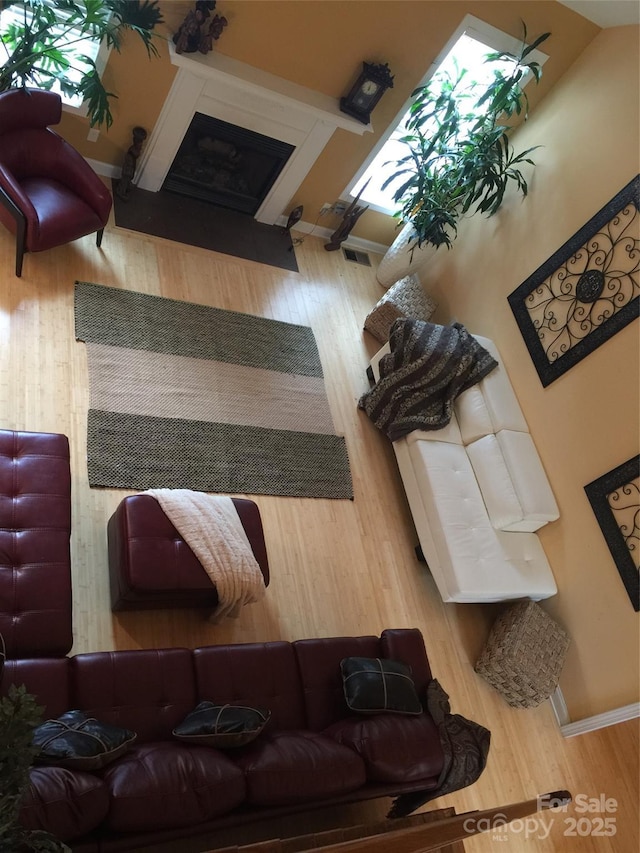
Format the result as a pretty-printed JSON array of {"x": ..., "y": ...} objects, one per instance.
[
  {"x": 349, "y": 219},
  {"x": 130, "y": 161}
]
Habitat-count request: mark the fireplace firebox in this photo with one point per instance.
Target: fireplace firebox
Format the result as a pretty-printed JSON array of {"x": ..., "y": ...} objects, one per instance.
[{"x": 226, "y": 165}]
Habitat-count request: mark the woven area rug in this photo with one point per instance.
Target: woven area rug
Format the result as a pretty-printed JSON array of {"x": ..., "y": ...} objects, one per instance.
[{"x": 188, "y": 396}]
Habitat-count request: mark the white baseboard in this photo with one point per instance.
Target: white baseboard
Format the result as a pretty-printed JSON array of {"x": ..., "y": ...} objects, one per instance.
[
  {"x": 589, "y": 724},
  {"x": 559, "y": 707},
  {"x": 104, "y": 169}
]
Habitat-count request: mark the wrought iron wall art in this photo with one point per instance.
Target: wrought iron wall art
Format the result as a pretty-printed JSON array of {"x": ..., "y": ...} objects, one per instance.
[
  {"x": 586, "y": 291},
  {"x": 615, "y": 500}
]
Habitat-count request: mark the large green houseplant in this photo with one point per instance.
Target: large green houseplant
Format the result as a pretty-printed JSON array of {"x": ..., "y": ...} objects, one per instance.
[
  {"x": 19, "y": 715},
  {"x": 460, "y": 159},
  {"x": 43, "y": 41}
]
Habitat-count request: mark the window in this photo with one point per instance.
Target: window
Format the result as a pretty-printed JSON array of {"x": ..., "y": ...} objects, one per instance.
[
  {"x": 77, "y": 45},
  {"x": 468, "y": 47}
]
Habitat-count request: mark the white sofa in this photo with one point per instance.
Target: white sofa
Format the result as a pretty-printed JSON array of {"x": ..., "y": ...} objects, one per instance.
[{"x": 477, "y": 493}]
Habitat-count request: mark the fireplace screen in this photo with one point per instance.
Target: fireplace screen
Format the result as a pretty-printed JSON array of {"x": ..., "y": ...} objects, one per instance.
[{"x": 226, "y": 165}]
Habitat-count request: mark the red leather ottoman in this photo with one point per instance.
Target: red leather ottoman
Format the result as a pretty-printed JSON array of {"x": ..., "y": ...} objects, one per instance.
[
  {"x": 152, "y": 568},
  {"x": 35, "y": 528}
]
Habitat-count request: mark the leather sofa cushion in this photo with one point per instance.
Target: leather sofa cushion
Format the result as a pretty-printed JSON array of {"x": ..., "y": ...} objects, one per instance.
[
  {"x": 394, "y": 748},
  {"x": 35, "y": 526},
  {"x": 497, "y": 487},
  {"x": 514, "y": 486},
  {"x": 296, "y": 766},
  {"x": 261, "y": 675},
  {"x": 491, "y": 405},
  {"x": 66, "y": 803},
  {"x": 319, "y": 663},
  {"x": 45, "y": 678},
  {"x": 167, "y": 785},
  {"x": 149, "y": 691}
]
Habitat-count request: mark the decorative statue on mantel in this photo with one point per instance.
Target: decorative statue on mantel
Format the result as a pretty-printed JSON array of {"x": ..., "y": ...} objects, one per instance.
[{"x": 190, "y": 36}]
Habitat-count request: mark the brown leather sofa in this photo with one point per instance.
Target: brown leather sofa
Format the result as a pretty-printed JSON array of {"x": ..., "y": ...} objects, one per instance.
[{"x": 313, "y": 751}]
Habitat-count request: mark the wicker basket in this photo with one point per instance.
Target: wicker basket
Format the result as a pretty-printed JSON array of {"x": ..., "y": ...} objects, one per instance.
[
  {"x": 524, "y": 655},
  {"x": 406, "y": 298}
]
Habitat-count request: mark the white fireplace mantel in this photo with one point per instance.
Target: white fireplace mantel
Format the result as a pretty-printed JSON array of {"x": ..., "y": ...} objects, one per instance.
[{"x": 232, "y": 91}]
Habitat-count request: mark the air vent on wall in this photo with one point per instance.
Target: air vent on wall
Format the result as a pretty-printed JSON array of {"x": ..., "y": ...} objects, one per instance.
[{"x": 356, "y": 257}]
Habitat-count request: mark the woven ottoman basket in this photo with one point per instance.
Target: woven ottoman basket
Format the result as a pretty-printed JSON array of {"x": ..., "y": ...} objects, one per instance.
[
  {"x": 406, "y": 298},
  {"x": 524, "y": 655}
]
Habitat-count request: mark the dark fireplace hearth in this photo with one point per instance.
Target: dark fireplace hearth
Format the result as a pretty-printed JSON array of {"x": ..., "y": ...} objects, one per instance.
[{"x": 226, "y": 165}]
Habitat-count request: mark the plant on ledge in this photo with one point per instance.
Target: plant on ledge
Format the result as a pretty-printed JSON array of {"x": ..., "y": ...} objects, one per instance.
[
  {"x": 460, "y": 158},
  {"x": 44, "y": 44}
]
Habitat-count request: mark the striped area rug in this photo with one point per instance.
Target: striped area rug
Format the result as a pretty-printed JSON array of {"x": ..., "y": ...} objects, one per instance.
[{"x": 188, "y": 396}]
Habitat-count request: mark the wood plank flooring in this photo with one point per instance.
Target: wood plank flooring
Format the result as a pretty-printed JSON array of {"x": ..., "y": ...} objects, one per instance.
[{"x": 337, "y": 567}]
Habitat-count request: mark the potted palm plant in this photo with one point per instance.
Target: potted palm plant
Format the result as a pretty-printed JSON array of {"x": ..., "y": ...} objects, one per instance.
[
  {"x": 19, "y": 715},
  {"x": 460, "y": 159},
  {"x": 44, "y": 44}
]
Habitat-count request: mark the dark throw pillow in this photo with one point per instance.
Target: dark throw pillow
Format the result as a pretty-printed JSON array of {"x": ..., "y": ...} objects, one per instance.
[
  {"x": 222, "y": 726},
  {"x": 375, "y": 685},
  {"x": 79, "y": 742}
]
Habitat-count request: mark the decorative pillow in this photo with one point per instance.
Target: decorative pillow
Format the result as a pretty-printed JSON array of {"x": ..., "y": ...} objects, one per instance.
[
  {"x": 222, "y": 726},
  {"x": 79, "y": 742},
  {"x": 374, "y": 685}
]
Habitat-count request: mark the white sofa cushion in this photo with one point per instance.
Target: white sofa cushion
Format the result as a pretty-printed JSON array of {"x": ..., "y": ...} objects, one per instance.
[
  {"x": 491, "y": 405},
  {"x": 528, "y": 563},
  {"x": 472, "y": 413},
  {"x": 512, "y": 480},
  {"x": 529, "y": 478},
  {"x": 450, "y": 433},
  {"x": 497, "y": 487}
]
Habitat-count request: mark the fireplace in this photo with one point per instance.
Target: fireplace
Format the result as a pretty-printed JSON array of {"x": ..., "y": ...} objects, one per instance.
[
  {"x": 220, "y": 87},
  {"x": 226, "y": 165}
]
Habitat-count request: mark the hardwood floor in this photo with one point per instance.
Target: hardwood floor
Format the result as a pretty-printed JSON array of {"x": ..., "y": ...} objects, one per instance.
[{"x": 337, "y": 567}]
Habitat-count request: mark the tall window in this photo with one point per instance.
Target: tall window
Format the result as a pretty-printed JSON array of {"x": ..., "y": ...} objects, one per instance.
[
  {"x": 77, "y": 44},
  {"x": 467, "y": 49}
]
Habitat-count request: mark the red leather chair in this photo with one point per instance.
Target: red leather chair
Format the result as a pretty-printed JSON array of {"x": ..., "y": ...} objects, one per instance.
[{"x": 49, "y": 195}]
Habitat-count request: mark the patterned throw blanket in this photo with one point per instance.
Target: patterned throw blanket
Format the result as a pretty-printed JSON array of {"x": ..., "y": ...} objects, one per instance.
[
  {"x": 428, "y": 367},
  {"x": 465, "y": 745}
]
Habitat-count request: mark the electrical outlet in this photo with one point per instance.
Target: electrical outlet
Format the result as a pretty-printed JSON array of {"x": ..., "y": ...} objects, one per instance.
[
  {"x": 93, "y": 134},
  {"x": 326, "y": 207},
  {"x": 339, "y": 208}
]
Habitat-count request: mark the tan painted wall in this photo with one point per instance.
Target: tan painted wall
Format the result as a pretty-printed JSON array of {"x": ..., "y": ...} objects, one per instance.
[
  {"x": 587, "y": 421},
  {"x": 321, "y": 45}
]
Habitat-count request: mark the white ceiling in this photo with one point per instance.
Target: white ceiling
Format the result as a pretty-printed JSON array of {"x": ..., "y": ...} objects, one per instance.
[{"x": 607, "y": 13}]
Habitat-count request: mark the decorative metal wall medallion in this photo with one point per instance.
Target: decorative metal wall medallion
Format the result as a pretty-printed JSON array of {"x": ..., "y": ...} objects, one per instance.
[
  {"x": 615, "y": 500},
  {"x": 585, "y": 292}
]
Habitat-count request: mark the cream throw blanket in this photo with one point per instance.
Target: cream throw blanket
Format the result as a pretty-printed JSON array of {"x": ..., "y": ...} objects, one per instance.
[{"x": 211, "y": 527}]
